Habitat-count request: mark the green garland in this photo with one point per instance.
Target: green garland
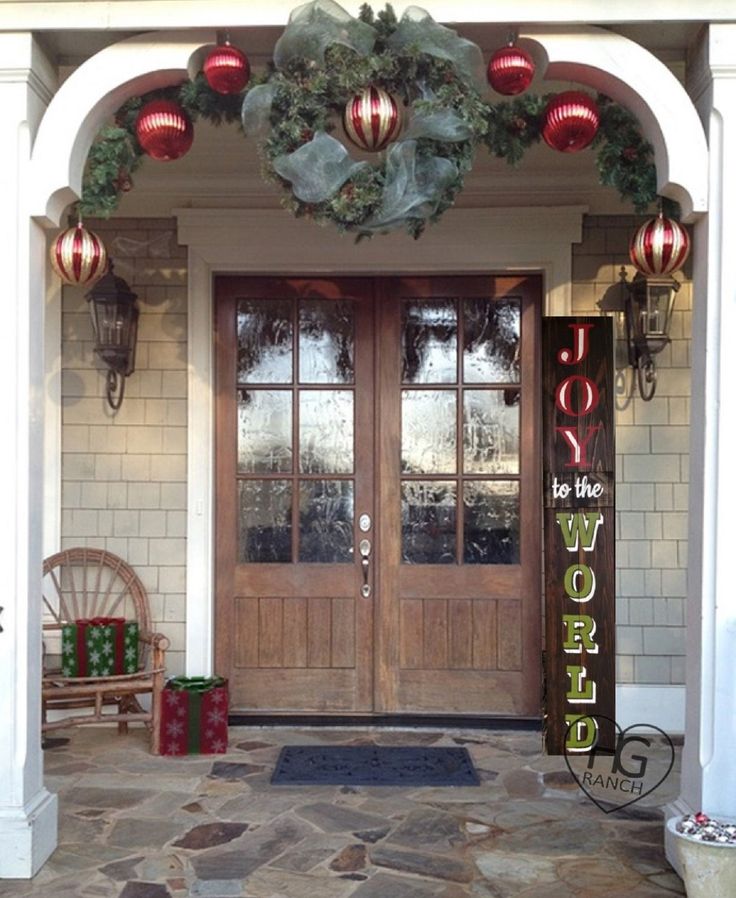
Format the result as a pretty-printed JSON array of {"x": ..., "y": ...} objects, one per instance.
[
  {"x": 116, "y": 154},
  {"x": 308, "y": 98}
]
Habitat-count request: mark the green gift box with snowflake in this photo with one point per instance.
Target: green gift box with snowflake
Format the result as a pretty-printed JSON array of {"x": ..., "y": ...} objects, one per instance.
[{"x": 99, "y": 647}]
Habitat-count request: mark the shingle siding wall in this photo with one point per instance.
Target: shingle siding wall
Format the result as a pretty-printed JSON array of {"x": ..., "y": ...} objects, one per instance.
[
  {"x": 124, "y": 474},
  {"x": 651, "y": 473}
]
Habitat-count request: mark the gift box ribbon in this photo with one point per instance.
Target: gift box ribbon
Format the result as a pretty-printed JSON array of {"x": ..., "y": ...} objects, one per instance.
[{"x": 118, "y": 624}]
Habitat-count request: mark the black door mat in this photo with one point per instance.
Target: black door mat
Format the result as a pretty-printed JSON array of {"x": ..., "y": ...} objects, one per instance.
[{"x": 374, "y": 765}]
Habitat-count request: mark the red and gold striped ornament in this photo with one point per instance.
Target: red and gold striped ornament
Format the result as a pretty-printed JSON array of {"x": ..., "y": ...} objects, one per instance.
[
  {"x": 571, "y": 121},
  {"x": 510, "y": 70},
  {"x": 372, "y": 119},
  {"x": 659, "y": 247},
  {"x": 78, "y": 256},
  {"x": 164, "y": 130},
  {"x": 226, "y": 69}
]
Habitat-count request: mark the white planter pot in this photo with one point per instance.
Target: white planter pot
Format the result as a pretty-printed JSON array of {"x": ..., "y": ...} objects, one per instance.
[{"x": 709, "y": 868}]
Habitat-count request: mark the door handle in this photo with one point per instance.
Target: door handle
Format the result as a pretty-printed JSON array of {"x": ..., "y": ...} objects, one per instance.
[{"x": 365, "y": 562}]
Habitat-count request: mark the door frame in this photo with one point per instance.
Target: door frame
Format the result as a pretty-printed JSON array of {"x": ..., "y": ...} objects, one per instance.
[{"x": 252, "y": 241}]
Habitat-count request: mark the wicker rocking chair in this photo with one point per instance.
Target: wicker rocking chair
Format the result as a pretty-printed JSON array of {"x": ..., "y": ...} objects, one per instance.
[{"x": 87, "y": 583}]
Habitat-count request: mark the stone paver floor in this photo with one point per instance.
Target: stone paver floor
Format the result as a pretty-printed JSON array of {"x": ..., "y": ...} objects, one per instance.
[{"x": 135, "y": 826}]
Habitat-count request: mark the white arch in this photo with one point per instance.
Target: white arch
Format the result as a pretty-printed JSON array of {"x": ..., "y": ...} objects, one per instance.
[
  {"x": 592, "y": 56},
  {"x": 89, "y": 97},
  {"x": 629, "y": 74}
]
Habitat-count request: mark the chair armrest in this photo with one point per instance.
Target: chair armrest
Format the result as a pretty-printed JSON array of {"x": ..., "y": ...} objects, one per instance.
[
  {"x": 159, "y": 643},
  {"x": 155, "y": 640}
]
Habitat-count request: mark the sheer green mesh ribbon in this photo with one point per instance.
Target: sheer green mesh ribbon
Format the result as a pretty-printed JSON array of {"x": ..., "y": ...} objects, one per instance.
[
  {"x": 318, "y": 169},
  {"x": 257, "y": 106},
  {"x": 414, "y": 187},
  {"x": 418, "y": 30},
  {"x": 415, "y": 179},
  {"x": 316, "y": 26}
]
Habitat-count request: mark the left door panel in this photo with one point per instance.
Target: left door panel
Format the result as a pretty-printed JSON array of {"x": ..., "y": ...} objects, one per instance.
[{"x": 294, "y": 361}]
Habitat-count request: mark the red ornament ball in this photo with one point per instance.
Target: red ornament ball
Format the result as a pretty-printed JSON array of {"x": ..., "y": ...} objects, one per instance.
[
  {"x": 510, "y": 71},
  {"x": 78, "y": 256},
  {"x": 571, "y": 121},
  {"x": 659, "y": 247},
  {"x": 226, "y": 69},
  {"x": 164, "y": 130},
  {"x": 372, "y": 119}
]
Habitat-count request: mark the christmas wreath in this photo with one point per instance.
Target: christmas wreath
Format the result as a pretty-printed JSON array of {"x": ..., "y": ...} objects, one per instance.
[{"x": 433, "y": 77}]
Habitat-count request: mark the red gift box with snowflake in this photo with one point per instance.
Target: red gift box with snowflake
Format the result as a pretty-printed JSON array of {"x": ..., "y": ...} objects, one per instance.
[{"x": 194, "y": 716}]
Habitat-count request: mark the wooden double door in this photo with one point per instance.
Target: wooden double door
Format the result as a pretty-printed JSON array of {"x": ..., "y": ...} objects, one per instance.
[{"x": 378, "y": 495}]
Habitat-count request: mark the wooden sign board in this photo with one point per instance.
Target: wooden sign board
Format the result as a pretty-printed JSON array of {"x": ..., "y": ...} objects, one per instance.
[{"x": 579, "y": 533}]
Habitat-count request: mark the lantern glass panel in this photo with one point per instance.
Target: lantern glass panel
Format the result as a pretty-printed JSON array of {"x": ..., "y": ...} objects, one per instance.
[
  {"x": 658, "y": 310},
  {"x": 113, "y": 324}
]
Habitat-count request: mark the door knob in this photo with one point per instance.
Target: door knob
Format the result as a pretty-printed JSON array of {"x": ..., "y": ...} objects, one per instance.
[{"x": 364, "y": 548}]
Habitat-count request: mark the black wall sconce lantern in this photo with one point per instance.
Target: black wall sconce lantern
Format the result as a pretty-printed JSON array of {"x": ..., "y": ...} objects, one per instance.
[
  {"x": 647, "y": 306},
  {"x": 114, "y": 311}
]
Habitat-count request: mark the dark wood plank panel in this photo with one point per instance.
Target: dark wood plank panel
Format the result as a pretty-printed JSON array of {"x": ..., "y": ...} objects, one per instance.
[
  {"x": 319, "y": 632},
  {"x": 295, "y": 632},
  {"x": 509, "y": 634},
  {"x": 412, "y": 633},
  {"x": 460, "y": 621},
  {"x": 579, "y": 401},
  {"x": 485, "y": 629},
  {"x": 435, "y": 634},
  {"x": 343, "y": 632},
  {"x": 270, "y": 632},
  {"x": 246, "y": 632}
]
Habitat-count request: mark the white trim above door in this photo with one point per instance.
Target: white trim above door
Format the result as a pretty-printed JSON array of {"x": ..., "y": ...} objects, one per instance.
[{"x": 268, "y": 241}]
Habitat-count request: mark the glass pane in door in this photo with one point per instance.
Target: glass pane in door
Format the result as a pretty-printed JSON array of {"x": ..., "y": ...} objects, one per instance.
[
  {"x": 429, "y": 341},
  {"x": 326, "y": 342},
  {"x": 264, "y": 431},
  {"x": 326, "y": 431},
  {"x": 428, "y": 522},
  {"x": 326, "y": 511},
  {"x": 491, "y": 431},
  {"x": 265, "y": 341},
  {"x": 264, "y": 520},
  {"x": 429, "y": 431},
  {"x": 491, "y": 341}
]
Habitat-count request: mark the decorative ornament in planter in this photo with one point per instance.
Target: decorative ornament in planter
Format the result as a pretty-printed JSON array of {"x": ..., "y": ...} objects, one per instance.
[
  {"x": 164, "y": 130},
  {"x": 226, "y": 69},
  {"x": 659, "y": 247},
  {"x": 78, "y": 256},
  {"x": 571, "y": 121},
  {"x": 707, "y": 852},
  {"x": 372, "y": 119},
  {"x": 510, "y": 70}
]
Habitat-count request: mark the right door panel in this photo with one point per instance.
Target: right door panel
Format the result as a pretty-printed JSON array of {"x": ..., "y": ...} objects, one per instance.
[{"x": 459, "y": 623}]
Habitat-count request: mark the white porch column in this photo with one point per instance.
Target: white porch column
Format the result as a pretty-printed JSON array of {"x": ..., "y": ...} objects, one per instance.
[
  {"x": 28, "y": 813},
  {"x": 709, "y": 771}
]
